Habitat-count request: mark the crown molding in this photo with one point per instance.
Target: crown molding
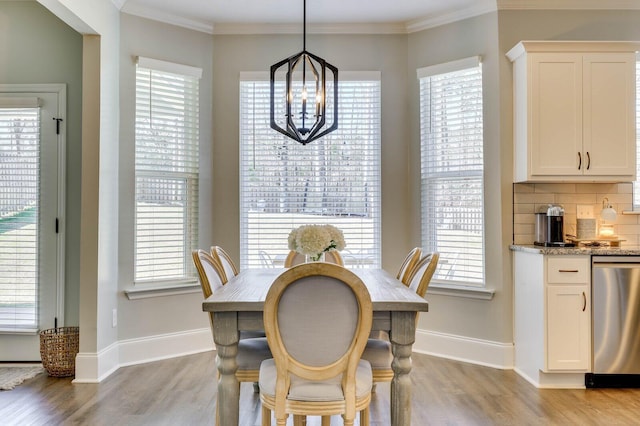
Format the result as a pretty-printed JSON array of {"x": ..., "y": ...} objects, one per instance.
[
  {"x": 569, "y": 4},
  {"x": 479, "y": 7},
  {"x": 167, "y": 18},
  {"x": 254, "y": 29},
  {"x": 118, "y": 3}
]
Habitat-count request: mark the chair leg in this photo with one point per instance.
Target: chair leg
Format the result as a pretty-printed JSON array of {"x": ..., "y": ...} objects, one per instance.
[
  {"x": 217, "y": 412},
  {"x": 299, "y": 420},
  {"x": 326, "y": 421},
  {"x": 266, "y": 416},
  {"x": 364, "y": 417}
]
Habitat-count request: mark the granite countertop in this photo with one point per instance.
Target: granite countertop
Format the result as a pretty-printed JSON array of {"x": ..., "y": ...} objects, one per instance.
[{"x": 598, "y": 251}]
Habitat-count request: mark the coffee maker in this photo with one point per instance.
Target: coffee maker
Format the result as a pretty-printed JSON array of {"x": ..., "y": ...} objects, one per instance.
[{"x": 550, "y": 227}]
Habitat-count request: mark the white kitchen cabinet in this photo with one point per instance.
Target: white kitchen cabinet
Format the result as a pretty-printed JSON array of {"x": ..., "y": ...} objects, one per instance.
[
  {"x": 574, "y": 111},
  {"x": 568, "y": 313},
  {"x": 552, "y": 327}
]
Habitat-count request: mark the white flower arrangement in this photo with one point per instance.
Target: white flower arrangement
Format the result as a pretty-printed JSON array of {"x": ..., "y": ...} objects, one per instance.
[{"x": 314, "y": 240}]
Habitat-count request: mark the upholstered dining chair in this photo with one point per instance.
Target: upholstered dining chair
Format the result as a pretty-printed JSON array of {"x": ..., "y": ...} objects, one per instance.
[
  {"x": 317, "y": 317},
  {"x": 265, "y": 259},
  {"x": 251, "y": 350},
  {"x": 378, "y": 350},
  {"x": 229, "y": 269},
  {"x": 294, "y": 258},
  {"x": 408, "y": 264}
]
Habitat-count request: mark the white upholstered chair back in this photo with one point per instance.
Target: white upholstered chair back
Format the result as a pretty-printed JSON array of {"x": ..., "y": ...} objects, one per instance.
[
  {"x": 408, "y": 264},
  {"x": 207, "y": 268},
  {"x": 423, "y": 272},
  {"x": 229, "y": 269},
  {"x": 317, "y": 317}
]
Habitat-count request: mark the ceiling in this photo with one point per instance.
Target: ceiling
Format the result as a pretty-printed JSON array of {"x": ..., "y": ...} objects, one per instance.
[{"x": 347, "y": 16}]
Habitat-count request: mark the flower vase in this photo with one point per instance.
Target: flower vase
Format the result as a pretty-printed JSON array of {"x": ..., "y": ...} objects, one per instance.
[{"x": 311, "y": 258}]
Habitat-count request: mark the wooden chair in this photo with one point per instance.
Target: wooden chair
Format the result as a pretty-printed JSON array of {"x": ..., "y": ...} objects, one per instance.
[
  {"x": 265, "y": 259},
  {"x": 317, "y": 317},
  {"x": 229, "y": 269},
  {"x": 294, "y": 258},
  {"x": 251, "y": 350},
  {"x": 378, "y": 351},
  {"x": 408, "y": 264}
]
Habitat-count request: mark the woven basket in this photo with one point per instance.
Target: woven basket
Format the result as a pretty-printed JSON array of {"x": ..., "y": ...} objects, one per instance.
[{"x": 58, "y": 350}]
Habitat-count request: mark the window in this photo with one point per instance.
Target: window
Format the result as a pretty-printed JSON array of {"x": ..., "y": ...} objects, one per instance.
[
  {"x": 335, "y": 179},
  {"x": 19, "y": 194},
  {"x": 166, "y": 170},
  {"x": 452, "y": 169}
]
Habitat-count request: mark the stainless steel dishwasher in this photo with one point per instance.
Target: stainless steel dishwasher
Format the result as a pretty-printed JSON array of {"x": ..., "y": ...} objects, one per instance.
[{"x": 616, "y": 321}]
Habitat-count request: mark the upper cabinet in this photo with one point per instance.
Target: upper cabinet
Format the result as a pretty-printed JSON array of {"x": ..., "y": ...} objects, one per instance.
[{"x": 574, "y": 111}]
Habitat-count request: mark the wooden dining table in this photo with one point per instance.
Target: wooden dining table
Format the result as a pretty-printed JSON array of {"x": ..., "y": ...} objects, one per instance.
[{"x": 239, "y": 305}]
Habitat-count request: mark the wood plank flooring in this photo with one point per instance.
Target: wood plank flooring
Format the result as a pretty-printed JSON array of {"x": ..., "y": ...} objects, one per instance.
[{"x": 181, "y": 391}]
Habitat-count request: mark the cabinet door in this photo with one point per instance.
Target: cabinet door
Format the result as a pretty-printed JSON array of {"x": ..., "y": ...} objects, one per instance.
[
  {"x": 609, "y": 114},
  {"x": 568, "y": 328},
  {"x": 555, "y": 139}
]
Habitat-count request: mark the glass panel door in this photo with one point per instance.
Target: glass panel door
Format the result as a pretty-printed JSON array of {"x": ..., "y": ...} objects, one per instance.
[{"x": 30, "y": 262}]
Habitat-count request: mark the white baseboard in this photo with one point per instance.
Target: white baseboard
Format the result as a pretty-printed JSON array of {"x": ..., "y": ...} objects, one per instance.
[
  {"x": 93, "y": 368},
  {"x": 164, "y": 346},
  {"x": 466, "y": 349}
]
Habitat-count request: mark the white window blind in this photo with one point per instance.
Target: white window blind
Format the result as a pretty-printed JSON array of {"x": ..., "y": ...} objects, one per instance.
[
  {"x": 334, "y": 180},
  {"x": 19, "y": 195},
  {"x": 452, "y": 169},
  {"x": 166, "y": 169}
]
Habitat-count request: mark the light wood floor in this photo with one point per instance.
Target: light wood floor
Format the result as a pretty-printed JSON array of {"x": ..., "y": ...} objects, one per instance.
[{"x": 181, "y": 391}]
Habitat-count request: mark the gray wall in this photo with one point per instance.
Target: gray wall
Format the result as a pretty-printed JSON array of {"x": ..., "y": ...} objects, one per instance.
[
  {"x": 384, "y": 53},
  {"x": 479, "y": 319},
  {"x": 44, "y": 50},
  {"x": 142, "y": 37},
  {"x": 36, "y": 47}
]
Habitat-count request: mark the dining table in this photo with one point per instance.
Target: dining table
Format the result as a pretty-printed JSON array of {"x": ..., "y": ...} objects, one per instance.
[{"x": 238, "y": 306}]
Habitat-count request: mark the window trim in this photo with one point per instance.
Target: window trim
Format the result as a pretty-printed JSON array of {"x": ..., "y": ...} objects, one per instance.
[
  {"x": 160, "y": 285},
  {"x": 365, "y": 76},
  {"x": 442, "y": 286}
]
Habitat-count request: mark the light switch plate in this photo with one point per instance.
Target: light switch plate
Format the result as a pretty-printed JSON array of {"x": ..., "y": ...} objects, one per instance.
[{"x": 584, "y": 211}]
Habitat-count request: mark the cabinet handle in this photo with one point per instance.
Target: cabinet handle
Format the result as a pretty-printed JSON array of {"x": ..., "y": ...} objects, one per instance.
[
  {"x": 568, "y": 270},
  {"x": 579, "y": 160},
  {"x": 584, "y": 301},
  {"x": 588, "y": 160}
]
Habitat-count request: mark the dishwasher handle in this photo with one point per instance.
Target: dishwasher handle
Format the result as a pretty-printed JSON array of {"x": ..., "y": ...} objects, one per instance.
[{"x": 616, "y": 261}]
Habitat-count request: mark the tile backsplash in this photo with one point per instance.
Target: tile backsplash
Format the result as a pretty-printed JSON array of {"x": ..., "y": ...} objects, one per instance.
[{"x": 528, "y": 198}]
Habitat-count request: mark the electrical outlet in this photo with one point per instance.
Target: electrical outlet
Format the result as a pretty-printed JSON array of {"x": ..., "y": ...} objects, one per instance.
[
  {"x": 584, "y": 211},
  {"x": 114, "y": 319}
]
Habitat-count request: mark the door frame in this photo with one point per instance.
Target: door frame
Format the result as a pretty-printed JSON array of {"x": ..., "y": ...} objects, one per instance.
[{"x": 61, "y": 90}]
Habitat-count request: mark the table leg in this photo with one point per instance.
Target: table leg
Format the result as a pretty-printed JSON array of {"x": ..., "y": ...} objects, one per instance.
[
  {"x": 402, "y": 336},
  {"x": 226, "y": 336}
]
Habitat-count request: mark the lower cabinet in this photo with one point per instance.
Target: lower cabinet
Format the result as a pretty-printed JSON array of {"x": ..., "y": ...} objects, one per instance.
[{"x": 552, "y": 327}]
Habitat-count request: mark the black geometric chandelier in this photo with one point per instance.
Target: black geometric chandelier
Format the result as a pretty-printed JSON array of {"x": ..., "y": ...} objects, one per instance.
[{"x": 303, "y": 94}]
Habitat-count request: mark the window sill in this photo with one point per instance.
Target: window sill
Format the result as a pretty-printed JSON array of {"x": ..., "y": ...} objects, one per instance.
[
  {"x": 150, "y": 290},
  {"x": 460, "y": 291}
]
